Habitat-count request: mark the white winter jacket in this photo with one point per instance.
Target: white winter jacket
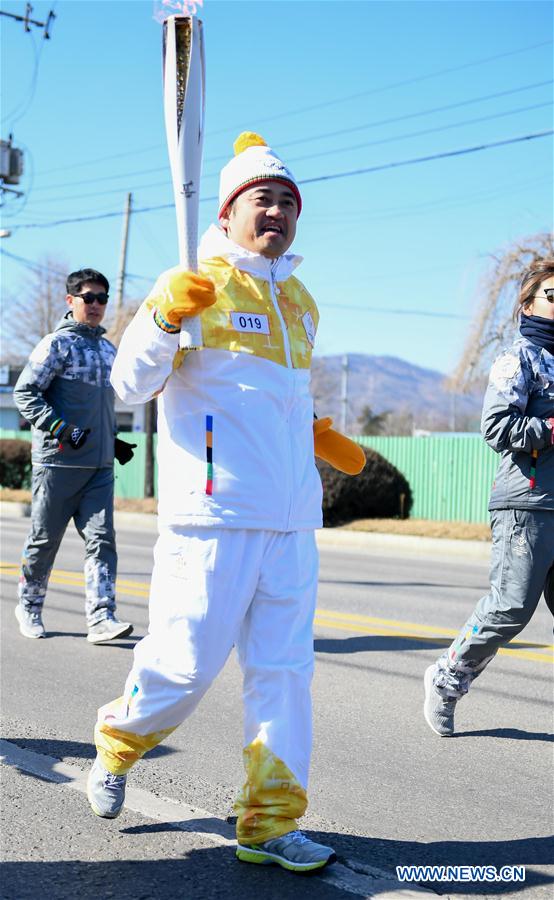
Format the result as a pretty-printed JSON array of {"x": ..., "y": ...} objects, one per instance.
[{"x": 235, "y": 439}]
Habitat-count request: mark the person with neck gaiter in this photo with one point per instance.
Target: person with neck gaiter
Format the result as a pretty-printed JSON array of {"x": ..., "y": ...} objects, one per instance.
[
  {"x": 236, "y": 561},
  {"x": 517, "y": 422}
]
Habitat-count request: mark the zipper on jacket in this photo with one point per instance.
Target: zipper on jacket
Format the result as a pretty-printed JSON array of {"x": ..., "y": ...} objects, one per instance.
[
  {"x": 101, "y": 363},
  {"x": 273, "y": 291},
  {"x": 286, "y": 346}
]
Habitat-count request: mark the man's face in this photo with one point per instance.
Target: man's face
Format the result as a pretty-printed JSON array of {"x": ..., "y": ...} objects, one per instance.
[
  {"x": 263, "y": 219},
  {"x": 87, "y": 313}
]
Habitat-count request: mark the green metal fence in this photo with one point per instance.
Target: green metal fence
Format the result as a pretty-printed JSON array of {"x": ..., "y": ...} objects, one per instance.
[
  {"x": 129, "y": 479},
  {"x": 450, "y": 478}
]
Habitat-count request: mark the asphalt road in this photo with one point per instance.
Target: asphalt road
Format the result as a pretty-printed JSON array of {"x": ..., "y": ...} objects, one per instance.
[{"x": 385, "y": 791}]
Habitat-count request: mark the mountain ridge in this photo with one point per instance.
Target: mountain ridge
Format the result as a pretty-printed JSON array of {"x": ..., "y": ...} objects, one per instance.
[{"x": 415, "y": 396}]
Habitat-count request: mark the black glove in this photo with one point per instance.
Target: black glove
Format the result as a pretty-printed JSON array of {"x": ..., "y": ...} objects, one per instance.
[
  {"x": 73, "y": 435},
  {"x": 123, "y": 451}
]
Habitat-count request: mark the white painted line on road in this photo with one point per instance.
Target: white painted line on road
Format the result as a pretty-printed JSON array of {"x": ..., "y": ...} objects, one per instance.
[
  {"x": 185, "y": 818},
  {"x": 354, "y": 877}
]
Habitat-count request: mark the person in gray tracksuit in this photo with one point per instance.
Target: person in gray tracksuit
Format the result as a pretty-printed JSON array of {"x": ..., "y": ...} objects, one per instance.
[
  {"x": 65, "y": 393},
  {"x": 518, "y": 422}
]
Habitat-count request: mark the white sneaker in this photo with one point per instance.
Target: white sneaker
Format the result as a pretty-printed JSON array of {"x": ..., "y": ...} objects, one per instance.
[
  {"x": 105, "y": 792},
  {"x": 30, "y": 622},
  {"x": 108, "y": 629},
  {"x": 438, "y": 712},
  {"x": 293, "y": 851}
]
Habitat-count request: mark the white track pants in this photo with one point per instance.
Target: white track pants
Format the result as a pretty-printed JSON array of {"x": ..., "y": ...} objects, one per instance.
[{"x": 211, "y": 589}]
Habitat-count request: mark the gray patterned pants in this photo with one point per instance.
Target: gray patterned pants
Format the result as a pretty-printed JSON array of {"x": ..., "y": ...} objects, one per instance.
[
  {"x": 86, "y": 496},
  {"x": 522, "y": 568}
]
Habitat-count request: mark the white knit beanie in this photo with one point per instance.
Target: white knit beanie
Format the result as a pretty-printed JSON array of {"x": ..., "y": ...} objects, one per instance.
[{"x": 253, "y": 161}]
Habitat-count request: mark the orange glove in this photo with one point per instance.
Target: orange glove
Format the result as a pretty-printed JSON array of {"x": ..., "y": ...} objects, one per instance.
[
  {"x": 336, "y": 449},
  {"x": 178, "y": 294}
]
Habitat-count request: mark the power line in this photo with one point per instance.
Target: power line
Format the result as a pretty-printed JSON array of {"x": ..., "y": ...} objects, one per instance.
[
  {"x": 422, "y": 159},
  {"x": 412, "y": 115},
  {"x": 393, "y": 312},
  {"x": 421, "y": 132},
  {"x": 390, "y": 86},
  {"x": 98, "y": 159},
  {"x": 389, "y": 121},
  {"x": 37, "y": 268},
  {"x": 310, "y": 156},
  {"x": 24, "y": 106},
  {"x": 330, "y": 177},
  {"x": 164, "y": 183}
]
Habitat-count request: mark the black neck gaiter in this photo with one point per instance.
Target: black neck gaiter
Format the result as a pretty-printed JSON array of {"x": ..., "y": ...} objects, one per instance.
[{"x": 539, "y": 331}]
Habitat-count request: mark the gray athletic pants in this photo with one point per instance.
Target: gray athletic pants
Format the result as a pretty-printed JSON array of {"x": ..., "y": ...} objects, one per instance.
[
  {"x": 522, "y": 568},
  {"x": 61, "y": 493}
]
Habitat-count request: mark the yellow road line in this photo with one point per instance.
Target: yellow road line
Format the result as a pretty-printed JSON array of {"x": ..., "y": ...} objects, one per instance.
[
  {"x": 76, "y": 579},
  {"x": 547, "y": 657},
  {"x": 325, "y": 618}
]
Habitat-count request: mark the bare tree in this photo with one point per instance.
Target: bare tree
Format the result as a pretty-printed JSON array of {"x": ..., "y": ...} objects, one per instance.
[
  {"x": 38, "y": 305},
  {"x": 493, "y": 326},
  {"x": 116, "y": 324},
  {"x": 34, "y": 310}
]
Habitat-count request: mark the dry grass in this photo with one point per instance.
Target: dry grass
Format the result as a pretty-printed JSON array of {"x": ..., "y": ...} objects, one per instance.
[
  {"x": 140, "y": 505},
  {"x": 13, "y": 496},
  {"x": 420, "y": 527},
  {"x": 464, "y": 531}
]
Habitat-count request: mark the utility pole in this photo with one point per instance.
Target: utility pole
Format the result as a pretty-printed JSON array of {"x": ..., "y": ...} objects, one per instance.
[
  {"x": 27, "y": 21},
  {"x": 344, "y": 393},
  {"x": 123, "y": 255}
]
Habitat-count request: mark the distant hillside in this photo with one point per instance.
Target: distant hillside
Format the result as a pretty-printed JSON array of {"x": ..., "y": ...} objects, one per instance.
[{"x": 415, "y": 397}]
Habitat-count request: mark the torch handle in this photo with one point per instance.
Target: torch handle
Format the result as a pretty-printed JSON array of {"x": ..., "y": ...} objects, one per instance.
[{"x": 190, "y": 336}]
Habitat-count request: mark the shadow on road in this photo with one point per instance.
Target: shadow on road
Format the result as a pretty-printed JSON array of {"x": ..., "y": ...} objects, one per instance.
[
  {"x": 213, "y": 872},
  {"x": 377, "y": 642},
  {"x": 203, "y": 874},
  {"x": 513, "y": 734},
  {"x": 381, "y": 642},
  {"x": 68, "y": 751},
  {"x": 406, "y": 584}
]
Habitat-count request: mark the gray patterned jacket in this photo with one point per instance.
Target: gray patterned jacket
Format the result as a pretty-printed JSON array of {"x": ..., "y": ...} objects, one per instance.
[
  {"x": 518, "y": 401},
  {"x": 68, "y": 377}
]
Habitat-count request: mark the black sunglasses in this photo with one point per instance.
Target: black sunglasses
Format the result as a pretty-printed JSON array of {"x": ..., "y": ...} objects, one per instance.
[{"x": 90, "y": 297}]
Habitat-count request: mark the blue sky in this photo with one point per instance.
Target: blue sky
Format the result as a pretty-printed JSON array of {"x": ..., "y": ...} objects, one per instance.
[{"x": 393, "y": 257}]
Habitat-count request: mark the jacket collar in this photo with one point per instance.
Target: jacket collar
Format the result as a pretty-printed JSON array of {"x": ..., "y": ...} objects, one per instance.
[
  {"x": 216, "y": 243},
  {"x": 68, "y": 323}
]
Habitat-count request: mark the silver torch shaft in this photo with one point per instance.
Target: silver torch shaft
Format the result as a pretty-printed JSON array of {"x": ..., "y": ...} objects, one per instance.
[{"x": 184, "y": 102}]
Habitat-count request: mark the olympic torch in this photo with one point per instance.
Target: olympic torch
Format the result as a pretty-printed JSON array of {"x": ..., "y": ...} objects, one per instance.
[{"x": 184, "y": 99}]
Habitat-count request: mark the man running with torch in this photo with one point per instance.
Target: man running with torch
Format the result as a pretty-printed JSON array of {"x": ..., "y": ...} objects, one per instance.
[{"x": 239, "y": 498}]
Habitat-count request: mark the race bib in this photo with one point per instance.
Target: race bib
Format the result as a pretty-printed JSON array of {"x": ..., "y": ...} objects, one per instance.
[{"x": 251, "y": 323}]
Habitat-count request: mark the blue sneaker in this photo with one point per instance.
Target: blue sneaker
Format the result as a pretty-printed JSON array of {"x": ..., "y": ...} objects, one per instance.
[
  {"x": 105, "y": 792},
  {"x": 293, "y": 851}
]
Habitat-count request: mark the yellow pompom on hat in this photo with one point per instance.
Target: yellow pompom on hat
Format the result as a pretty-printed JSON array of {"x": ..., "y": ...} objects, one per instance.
[{"x": 253, "y": 161}]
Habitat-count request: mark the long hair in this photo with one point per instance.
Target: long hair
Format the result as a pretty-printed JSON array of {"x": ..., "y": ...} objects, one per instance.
[{"x": 543, "y": 268}]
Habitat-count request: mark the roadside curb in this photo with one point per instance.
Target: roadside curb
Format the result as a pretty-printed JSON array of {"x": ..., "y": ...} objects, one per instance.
[
  {"x": 408, "y": 544},
  {"x": 338, "y": 538},
  {"x": 350, "y": 875}
]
